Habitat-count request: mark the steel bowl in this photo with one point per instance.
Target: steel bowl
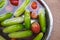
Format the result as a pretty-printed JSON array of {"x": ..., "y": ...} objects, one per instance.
[{"x": 49, "y": 19}]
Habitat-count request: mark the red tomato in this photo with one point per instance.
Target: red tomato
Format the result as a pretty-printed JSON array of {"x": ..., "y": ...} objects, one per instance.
[
  {"x": 36, "y": 27},
  {"x": 34, "y": 5},
  {"x": 14, "y": 2},
  {"x": 34, "y": 15}
]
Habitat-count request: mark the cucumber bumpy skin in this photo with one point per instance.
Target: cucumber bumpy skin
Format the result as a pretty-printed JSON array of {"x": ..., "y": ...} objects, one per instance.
[
  {"x": 12, "y": 21},
  {"x": 5, "y": 16},
  {"x": 13, "y": 28},
  {"x": 42, "y": 19},
  {"x": 3, "y": 3},
  {"x": 21, "y": 9},
  {"x": 22, "y": 34},
  {"x": 27, "y": 19},
  {"x": 39, "y": 36}
]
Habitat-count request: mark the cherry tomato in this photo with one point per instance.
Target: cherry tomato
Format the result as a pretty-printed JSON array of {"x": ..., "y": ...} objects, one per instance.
[
  {"x": 13, "y": 39},
  {"x": 14, "y": 2},
  {"x": 36, "y": 27},
  {"x": 34, "y": 5},
  {"x": 34, "y": 15}
]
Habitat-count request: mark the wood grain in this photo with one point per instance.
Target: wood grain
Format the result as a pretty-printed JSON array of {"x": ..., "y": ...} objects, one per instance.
[{"x": 55, "y": 9}]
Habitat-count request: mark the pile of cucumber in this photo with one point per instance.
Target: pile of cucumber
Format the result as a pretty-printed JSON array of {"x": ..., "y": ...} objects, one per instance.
[{"x": 19, "y": 26}]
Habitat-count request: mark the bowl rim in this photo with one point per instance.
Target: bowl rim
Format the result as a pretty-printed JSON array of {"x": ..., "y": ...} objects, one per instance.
[{"x": 50, "y": 17}]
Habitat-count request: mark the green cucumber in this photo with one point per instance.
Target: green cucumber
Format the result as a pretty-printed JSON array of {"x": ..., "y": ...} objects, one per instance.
[
  {"x": 1, "y": 38},
  {"x": 5, "y": 16},
  {"x": 3, "y": 3},
  {"x": 22, "y": 34},
  {"x": 13, "y": 28},
  {"x": 21, "y": 9},
  {"x": 12, "y": 21},
  {"x": 42, "y": 19},
  {"x": 27, "y": 19},
  {"x": 39, "y": 36}
]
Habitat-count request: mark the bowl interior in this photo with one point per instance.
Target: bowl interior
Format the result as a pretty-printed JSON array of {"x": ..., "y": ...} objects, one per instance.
[{"x": 47, "y": 22}]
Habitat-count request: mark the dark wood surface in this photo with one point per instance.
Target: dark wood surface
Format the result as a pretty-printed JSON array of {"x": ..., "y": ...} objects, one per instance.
[{"x": 55, "y": 9}]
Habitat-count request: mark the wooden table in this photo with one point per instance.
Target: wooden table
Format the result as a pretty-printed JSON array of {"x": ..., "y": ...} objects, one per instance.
[{"x": 55, "y": 9}]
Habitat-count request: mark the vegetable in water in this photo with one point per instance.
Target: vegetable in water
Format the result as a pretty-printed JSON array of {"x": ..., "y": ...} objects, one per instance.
[
  {"x": 14, "y": 2},
  {"x": 21, "y": 9},
  {"x": 27, "y": 19},
  {"x": 35, "y": 27},
  {"x": 34, "y": 5},
  {"x": 39, "y": 36},
  {"x": 13, "y": 28},
  {"x": 12, "y": 21},
  {"x": 42, "y": 19},
  {"x": 22, "y": 34},
  {"x": 5, "y": 16},
  {"x": 3, "y": 3},
  {"x": 26, "y": 26},
  {"x": 34, "y": 15}
]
